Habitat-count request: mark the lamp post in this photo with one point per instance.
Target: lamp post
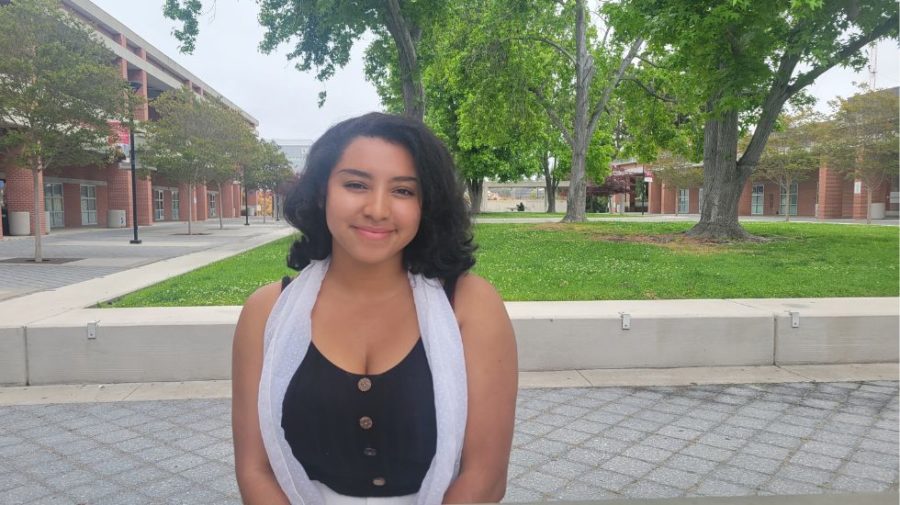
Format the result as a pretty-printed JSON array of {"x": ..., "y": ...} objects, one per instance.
[
  {"x": 135, "y": 86},
  {"x": 135, "y": 240}
]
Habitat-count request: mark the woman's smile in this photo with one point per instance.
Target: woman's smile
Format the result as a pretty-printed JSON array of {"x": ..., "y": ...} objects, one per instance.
[{"x": 373, "y": 233}]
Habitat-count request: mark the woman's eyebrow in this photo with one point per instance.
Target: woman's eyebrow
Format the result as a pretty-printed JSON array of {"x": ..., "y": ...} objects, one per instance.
[
  {"x": 366, "y": 175},
  {"x": 355, "y": 172}
]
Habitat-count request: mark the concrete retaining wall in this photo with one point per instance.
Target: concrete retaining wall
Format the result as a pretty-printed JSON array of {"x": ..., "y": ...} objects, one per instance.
[{"x": 174, "y": 344}]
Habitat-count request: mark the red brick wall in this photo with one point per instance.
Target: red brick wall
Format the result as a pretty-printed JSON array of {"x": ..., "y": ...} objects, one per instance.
[
  {"x": 167, "y": 204},
  {"x": 118, "y": 196},
  {"x": 831, "y": 188},
  {"x": 668, "y": 200},
  {"x": 102, "y": 206},
  {"x": 237, "y": 199},
  {"x": 806, "y": 198},
  {"x": 184, "y": 195},
  {"x": 144, "y": 201},
  {"x": 744, "y": 200},
  {"x": 20, "y": 195},
  {"x": 72, "y": 204},
  {"x": 847, "y": 199},
  {"x": 654, "y": 204},
  {"x": 226, "y": 197},
  {"x": 202, "y": 202},
  {"x": 694, "y": 201}
]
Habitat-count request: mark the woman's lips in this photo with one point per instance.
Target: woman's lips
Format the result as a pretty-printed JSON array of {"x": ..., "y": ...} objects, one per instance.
[{"x": 373, "y": 233}]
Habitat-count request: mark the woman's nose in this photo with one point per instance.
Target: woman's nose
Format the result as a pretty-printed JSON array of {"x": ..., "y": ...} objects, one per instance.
[{"x": 378, "y": 205}]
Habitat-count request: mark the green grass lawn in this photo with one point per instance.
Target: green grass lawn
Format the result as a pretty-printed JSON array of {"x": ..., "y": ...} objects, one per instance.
[
  {"x": 612, "y": 260},
  {"x": 558, "y": 215}
]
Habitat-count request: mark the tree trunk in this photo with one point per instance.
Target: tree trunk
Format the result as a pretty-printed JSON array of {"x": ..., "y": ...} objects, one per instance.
[
  {"x": 549, "y": 184},
  {"x": 723, "y": 181},
  {"x": 38, "y": 211},
  {"x": 584, "y": 74},
  {"x": 262, "y": 208},
  {"x": 190, "y": 206},
  {"x": 475, "y": 187},
  {"x": 405, "y": 38}
]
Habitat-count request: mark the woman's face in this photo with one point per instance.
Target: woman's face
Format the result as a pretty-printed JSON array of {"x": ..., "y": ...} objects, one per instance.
[{"x": 373, "y": 202}]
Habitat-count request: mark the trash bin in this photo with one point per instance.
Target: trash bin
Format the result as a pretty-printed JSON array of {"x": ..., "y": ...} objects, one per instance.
[{"x": 877, "y": 210}]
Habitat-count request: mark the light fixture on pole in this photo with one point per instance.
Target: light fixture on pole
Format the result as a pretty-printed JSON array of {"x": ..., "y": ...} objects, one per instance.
[{"x": 135, "y": 86}]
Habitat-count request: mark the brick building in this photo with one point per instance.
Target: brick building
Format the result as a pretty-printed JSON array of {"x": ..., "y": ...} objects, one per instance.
[
  {"x": 827, "y": 194},
  {"x": 90, "y": 196}
]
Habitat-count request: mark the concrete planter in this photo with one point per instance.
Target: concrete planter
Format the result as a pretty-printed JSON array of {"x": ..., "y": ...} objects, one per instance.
[
  {"x": 20, "y": 223},
  {"x": 115, "y": 218}
]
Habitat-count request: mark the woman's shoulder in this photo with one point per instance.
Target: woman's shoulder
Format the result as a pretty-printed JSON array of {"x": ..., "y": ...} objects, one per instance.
[
  {"x": 475, "y": 298},
  {"x": 259, "y": 304}
]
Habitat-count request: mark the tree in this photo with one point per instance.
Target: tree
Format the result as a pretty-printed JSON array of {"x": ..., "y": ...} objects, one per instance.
[
  {"x": 236, "y": 141},
  {"x": 324, "y": 32},
  {"x": 58, "y": 93},
  {"x": 791, "y": 154},
  {"x": 736, "y": 63},
  {"x": 183, "y": 144},
  {"x": 862, "y": 139},
  {"x": 268, "y": 170},
  {"x": 533, "y": 59}
]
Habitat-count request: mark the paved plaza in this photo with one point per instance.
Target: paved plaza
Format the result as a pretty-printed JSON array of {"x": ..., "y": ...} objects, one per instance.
[
  {"x": 98, "y": 252},
  {"x": 570, "y": 444}
]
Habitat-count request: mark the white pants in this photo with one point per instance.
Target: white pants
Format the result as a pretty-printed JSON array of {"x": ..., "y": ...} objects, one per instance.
[{"x": 332, "y": 498}]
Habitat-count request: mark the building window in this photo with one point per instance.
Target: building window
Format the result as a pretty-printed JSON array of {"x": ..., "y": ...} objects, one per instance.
[
  {"x": 212, "y": 196},
  {"x": 756, "y": 199},
  {"x": 792, "y": 207},
  {"x": 684, "y": 197},
  {"x": 53, "y": 203},
  {"x": 176, "y": 206},
  {"x": 159, "y": 211},
  {"x": 88, "y": 205}
]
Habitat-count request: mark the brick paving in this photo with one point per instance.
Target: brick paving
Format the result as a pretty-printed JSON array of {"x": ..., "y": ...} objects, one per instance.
[{"x": 569, "y": 444}]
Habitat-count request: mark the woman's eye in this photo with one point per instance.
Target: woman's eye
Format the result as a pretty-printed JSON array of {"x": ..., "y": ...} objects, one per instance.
[
  {"x": 354, "y": 185},
  {"x": 405, "y": 192}
]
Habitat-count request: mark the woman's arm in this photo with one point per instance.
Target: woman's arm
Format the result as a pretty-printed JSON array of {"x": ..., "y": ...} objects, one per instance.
[
  {"x": 492, "y": 375},
  {"x": 254, "y": 475}
]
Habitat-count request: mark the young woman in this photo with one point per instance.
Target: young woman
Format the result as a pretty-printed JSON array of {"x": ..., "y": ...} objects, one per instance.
[{"x": 384, "y": 373}]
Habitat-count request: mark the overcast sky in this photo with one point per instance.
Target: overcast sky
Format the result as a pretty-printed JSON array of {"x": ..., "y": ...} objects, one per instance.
[{"x": 284, "y": 99}]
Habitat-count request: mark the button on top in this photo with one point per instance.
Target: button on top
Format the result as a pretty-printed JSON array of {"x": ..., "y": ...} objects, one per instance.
[
  {"x": 368, "y": 451},
  {"x": 364, "y": 384},
  {"x": 365, "y": 422},
  {"x": 378, "y": 481}
]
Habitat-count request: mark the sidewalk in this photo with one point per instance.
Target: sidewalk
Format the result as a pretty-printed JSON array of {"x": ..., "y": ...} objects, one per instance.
[
  {"x": 99, "y": 252},
  {"x": 586, "y": 443}
]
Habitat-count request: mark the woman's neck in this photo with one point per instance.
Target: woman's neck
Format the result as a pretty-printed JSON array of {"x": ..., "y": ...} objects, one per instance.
[{"x": 372, "y": 282}]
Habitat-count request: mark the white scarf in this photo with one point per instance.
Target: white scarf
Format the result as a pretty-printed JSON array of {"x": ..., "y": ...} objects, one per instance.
[{"x": 287, "y": 337}]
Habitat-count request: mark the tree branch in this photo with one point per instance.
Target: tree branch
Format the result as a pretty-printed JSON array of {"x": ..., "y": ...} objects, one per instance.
[
  {"x": 554, "y": 117},
  {"x": 650, "y": 91},
  {"x": 623, "y": 66},
  {"x": 852, "y": 47},
  {"x": 562, "y": 50}
]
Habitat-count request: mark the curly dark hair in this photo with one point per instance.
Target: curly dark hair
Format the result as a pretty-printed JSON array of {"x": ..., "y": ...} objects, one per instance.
[{"x": 443, "y": 246}]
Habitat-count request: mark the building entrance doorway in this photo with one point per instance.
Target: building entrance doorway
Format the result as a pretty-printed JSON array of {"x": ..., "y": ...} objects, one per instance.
[{"x": 53, "y": 203}]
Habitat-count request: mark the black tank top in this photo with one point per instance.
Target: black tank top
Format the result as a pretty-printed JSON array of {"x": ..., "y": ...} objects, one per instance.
[{"x": 362, "y": 435}]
